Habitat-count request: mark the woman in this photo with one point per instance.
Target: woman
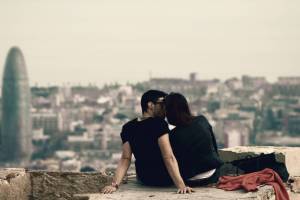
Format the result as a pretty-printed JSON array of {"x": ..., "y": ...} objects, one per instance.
[{"x": 193, "y": 143}]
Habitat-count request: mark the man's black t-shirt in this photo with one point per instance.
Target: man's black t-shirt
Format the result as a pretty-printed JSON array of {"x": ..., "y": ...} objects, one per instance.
[{"x": 143, "y": 139}]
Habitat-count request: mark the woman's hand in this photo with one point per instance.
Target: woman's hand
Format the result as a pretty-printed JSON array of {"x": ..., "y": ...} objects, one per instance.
[
  {"x": 108, "y": 189},
  {"x": 185, "y": 190}
]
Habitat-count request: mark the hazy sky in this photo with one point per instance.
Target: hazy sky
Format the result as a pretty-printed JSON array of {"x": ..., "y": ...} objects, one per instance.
[{"x": 127, "y": 40}]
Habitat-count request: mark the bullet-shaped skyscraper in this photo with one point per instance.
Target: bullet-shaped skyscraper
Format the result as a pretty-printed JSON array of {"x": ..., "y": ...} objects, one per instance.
[{"x": 16, "y": 136}]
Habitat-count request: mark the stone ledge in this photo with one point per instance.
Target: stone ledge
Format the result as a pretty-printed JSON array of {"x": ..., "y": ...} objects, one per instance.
[
  {"x": 35, "y": 185},
  {"x": 133, "y": 191},
  {"x": 63, "y": 185},
  {"x": 18, "y": 184},
  {"x": 41, "y": 185},
  {"x": 14, "y": 184},
  {"x": 287, "y": 155}
]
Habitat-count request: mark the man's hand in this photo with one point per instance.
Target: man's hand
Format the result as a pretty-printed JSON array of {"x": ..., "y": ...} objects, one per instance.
[
  {"x": 108, "y": 189},
  {"x": 185, "y": 190}
]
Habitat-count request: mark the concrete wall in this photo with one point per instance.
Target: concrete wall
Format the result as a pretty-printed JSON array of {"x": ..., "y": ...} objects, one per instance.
[
  {"x": 16, "y": 184},
  {"x": 290, "y": 156}
]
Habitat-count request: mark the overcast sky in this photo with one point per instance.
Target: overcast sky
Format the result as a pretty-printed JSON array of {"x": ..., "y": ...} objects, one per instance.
[{"x": 128, "y": 40}]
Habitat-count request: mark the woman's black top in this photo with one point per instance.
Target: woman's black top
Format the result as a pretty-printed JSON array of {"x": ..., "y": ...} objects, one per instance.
[{"x": 195, "y": 147}]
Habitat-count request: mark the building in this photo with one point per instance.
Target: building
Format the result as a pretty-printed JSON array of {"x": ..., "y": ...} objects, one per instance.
[
  {"x": 254, "y": 82},
  {"x": 293, "y": 80},
  {"x": 236, "y": 134},
  {"x": 51, "y": 122},
  {"x": 16, "y": 138}
]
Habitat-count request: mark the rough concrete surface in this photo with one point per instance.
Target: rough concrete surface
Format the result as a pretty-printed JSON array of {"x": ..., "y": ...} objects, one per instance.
[
  {"x": 294, "y": 183},
  {"x": 18, "y": 184},
  {"x": 287, "y": 155},
  {"x": 14, "y": 184},
  {"x": 133, "y": 191},
  {"x": 63, "y": 185}
]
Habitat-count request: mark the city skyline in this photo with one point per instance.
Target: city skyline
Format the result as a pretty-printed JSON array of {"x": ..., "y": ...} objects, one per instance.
[{"x": 114, "y": 41}]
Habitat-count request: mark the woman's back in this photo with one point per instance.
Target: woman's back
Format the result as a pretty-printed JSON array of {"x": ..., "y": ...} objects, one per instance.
[{"x": 195, "y": 147}]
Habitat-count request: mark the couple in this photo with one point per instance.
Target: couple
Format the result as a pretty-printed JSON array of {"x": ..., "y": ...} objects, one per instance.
[{"x": 187, "y": 155}]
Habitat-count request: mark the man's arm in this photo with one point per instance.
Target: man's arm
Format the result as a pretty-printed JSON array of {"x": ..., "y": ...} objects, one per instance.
[
  {"x": 121, "y": 170},
  {"x": 171, "y": 164}
]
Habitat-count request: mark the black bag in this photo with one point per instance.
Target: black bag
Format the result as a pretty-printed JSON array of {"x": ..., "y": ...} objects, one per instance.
[{"x": 260, "y": 162}]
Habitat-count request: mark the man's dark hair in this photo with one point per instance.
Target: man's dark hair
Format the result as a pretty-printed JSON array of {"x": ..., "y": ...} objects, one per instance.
[
  {"x": 177, "y": 110},
  {"x": 151, "y": 96}
]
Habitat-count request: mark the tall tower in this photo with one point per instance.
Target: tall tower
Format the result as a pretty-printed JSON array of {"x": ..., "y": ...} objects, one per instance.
[{"x": 16, "y": 138}]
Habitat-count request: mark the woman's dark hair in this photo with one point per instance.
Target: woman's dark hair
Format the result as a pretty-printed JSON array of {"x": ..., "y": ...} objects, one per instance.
[{"x": 177, "y": 110}]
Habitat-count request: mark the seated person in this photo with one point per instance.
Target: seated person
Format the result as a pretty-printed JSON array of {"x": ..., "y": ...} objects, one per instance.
[{"x": 193, "y": 143}]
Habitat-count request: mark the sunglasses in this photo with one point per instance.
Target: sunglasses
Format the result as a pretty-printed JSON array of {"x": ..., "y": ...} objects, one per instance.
[{"x": 160, "y": 100}]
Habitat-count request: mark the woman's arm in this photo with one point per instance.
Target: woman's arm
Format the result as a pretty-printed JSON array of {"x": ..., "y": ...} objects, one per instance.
[
  {"x": 121, "y": 170},
  {"x": 171, "y": 164}
]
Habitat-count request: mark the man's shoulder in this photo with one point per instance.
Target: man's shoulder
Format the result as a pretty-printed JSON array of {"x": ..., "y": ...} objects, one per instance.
[
  {"x": 152, "y": 121},
  {"x": 158, "y": 119},
  {"x": 130, "y": 123}
]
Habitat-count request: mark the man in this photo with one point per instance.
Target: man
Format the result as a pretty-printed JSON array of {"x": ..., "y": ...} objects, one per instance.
[{"x": 147, "y": 138}]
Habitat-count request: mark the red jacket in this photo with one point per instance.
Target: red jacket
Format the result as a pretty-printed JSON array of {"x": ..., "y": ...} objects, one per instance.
[{"x": 250, "y": 182}]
